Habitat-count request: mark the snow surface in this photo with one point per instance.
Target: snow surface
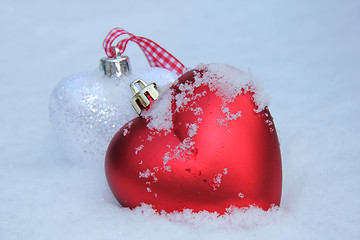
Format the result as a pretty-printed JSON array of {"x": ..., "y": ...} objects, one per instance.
[{"x": 306, "y": 54}]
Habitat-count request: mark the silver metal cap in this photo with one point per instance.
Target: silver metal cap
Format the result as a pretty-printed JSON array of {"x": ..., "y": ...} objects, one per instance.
[{"x": 116, "y": 66}]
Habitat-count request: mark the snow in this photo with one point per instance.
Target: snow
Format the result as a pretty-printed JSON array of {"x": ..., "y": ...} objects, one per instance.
[
  {"x": 159, "y": 117},
  {"x": 305, "y": 54},
  {"x": 229, "y": 82},
  {"x": 226, "y": 81}
]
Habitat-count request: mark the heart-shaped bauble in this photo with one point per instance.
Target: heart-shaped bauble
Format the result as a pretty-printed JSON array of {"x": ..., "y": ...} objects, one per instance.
[
  {"x": 87, "y": 109},
  {"x": 210, "y": 143}
]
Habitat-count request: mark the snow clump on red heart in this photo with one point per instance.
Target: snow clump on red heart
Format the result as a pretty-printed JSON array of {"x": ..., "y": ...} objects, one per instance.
[{"x": 226, "y": 81}]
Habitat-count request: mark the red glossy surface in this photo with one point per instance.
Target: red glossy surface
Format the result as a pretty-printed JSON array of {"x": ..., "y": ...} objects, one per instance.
[{"x": 235, "y": 163}]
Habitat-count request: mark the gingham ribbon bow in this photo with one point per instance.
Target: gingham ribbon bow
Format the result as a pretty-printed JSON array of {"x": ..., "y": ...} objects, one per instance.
[{"x": 155, "y": 54}]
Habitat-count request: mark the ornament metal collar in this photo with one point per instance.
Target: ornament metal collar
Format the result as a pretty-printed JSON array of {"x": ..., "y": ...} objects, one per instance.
[{"x": 144, "y": 94}]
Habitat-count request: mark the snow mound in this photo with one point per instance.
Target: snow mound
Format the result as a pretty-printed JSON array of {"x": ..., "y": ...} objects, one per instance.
[{"x": 249, "y": 218}]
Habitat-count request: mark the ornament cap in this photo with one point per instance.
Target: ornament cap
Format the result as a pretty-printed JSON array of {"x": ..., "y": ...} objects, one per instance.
[
  {"x": 144, "y": 94},
  {"x": 115, "y": 66}
]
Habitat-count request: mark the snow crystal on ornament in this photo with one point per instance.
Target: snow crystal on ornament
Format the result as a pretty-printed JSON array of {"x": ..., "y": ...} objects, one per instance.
[
  {"x": 193, "y": 127},
  {"x": 216, "y": 181},
  {"x": 138, "y": 149},
  {"x": 87, "y": 109},
  {"x": 148, "y": 173},
  {"x": 183, "y": 151},
  {"x": 229, "y": 116}
]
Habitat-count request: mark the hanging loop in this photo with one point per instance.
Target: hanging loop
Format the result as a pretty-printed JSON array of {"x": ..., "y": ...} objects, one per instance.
[{"x": 155, "y": 54}]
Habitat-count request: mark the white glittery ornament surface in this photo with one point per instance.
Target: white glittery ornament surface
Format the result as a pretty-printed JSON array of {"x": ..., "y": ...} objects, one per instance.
[{"x": 87, "y": 109}]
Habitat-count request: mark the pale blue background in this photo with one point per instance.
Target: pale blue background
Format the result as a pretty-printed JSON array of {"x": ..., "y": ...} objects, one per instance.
[{"x": 305, "y": 53}]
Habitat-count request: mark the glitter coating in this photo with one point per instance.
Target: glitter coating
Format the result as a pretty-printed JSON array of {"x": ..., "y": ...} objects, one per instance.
[{"x": 87, "y": 109}]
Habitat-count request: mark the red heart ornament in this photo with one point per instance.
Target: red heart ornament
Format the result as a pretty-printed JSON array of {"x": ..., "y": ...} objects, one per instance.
[{"x": 221, "y": 148}]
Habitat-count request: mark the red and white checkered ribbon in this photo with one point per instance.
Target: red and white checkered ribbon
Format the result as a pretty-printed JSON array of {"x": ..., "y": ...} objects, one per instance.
[{"x": 155, "y": 54}]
